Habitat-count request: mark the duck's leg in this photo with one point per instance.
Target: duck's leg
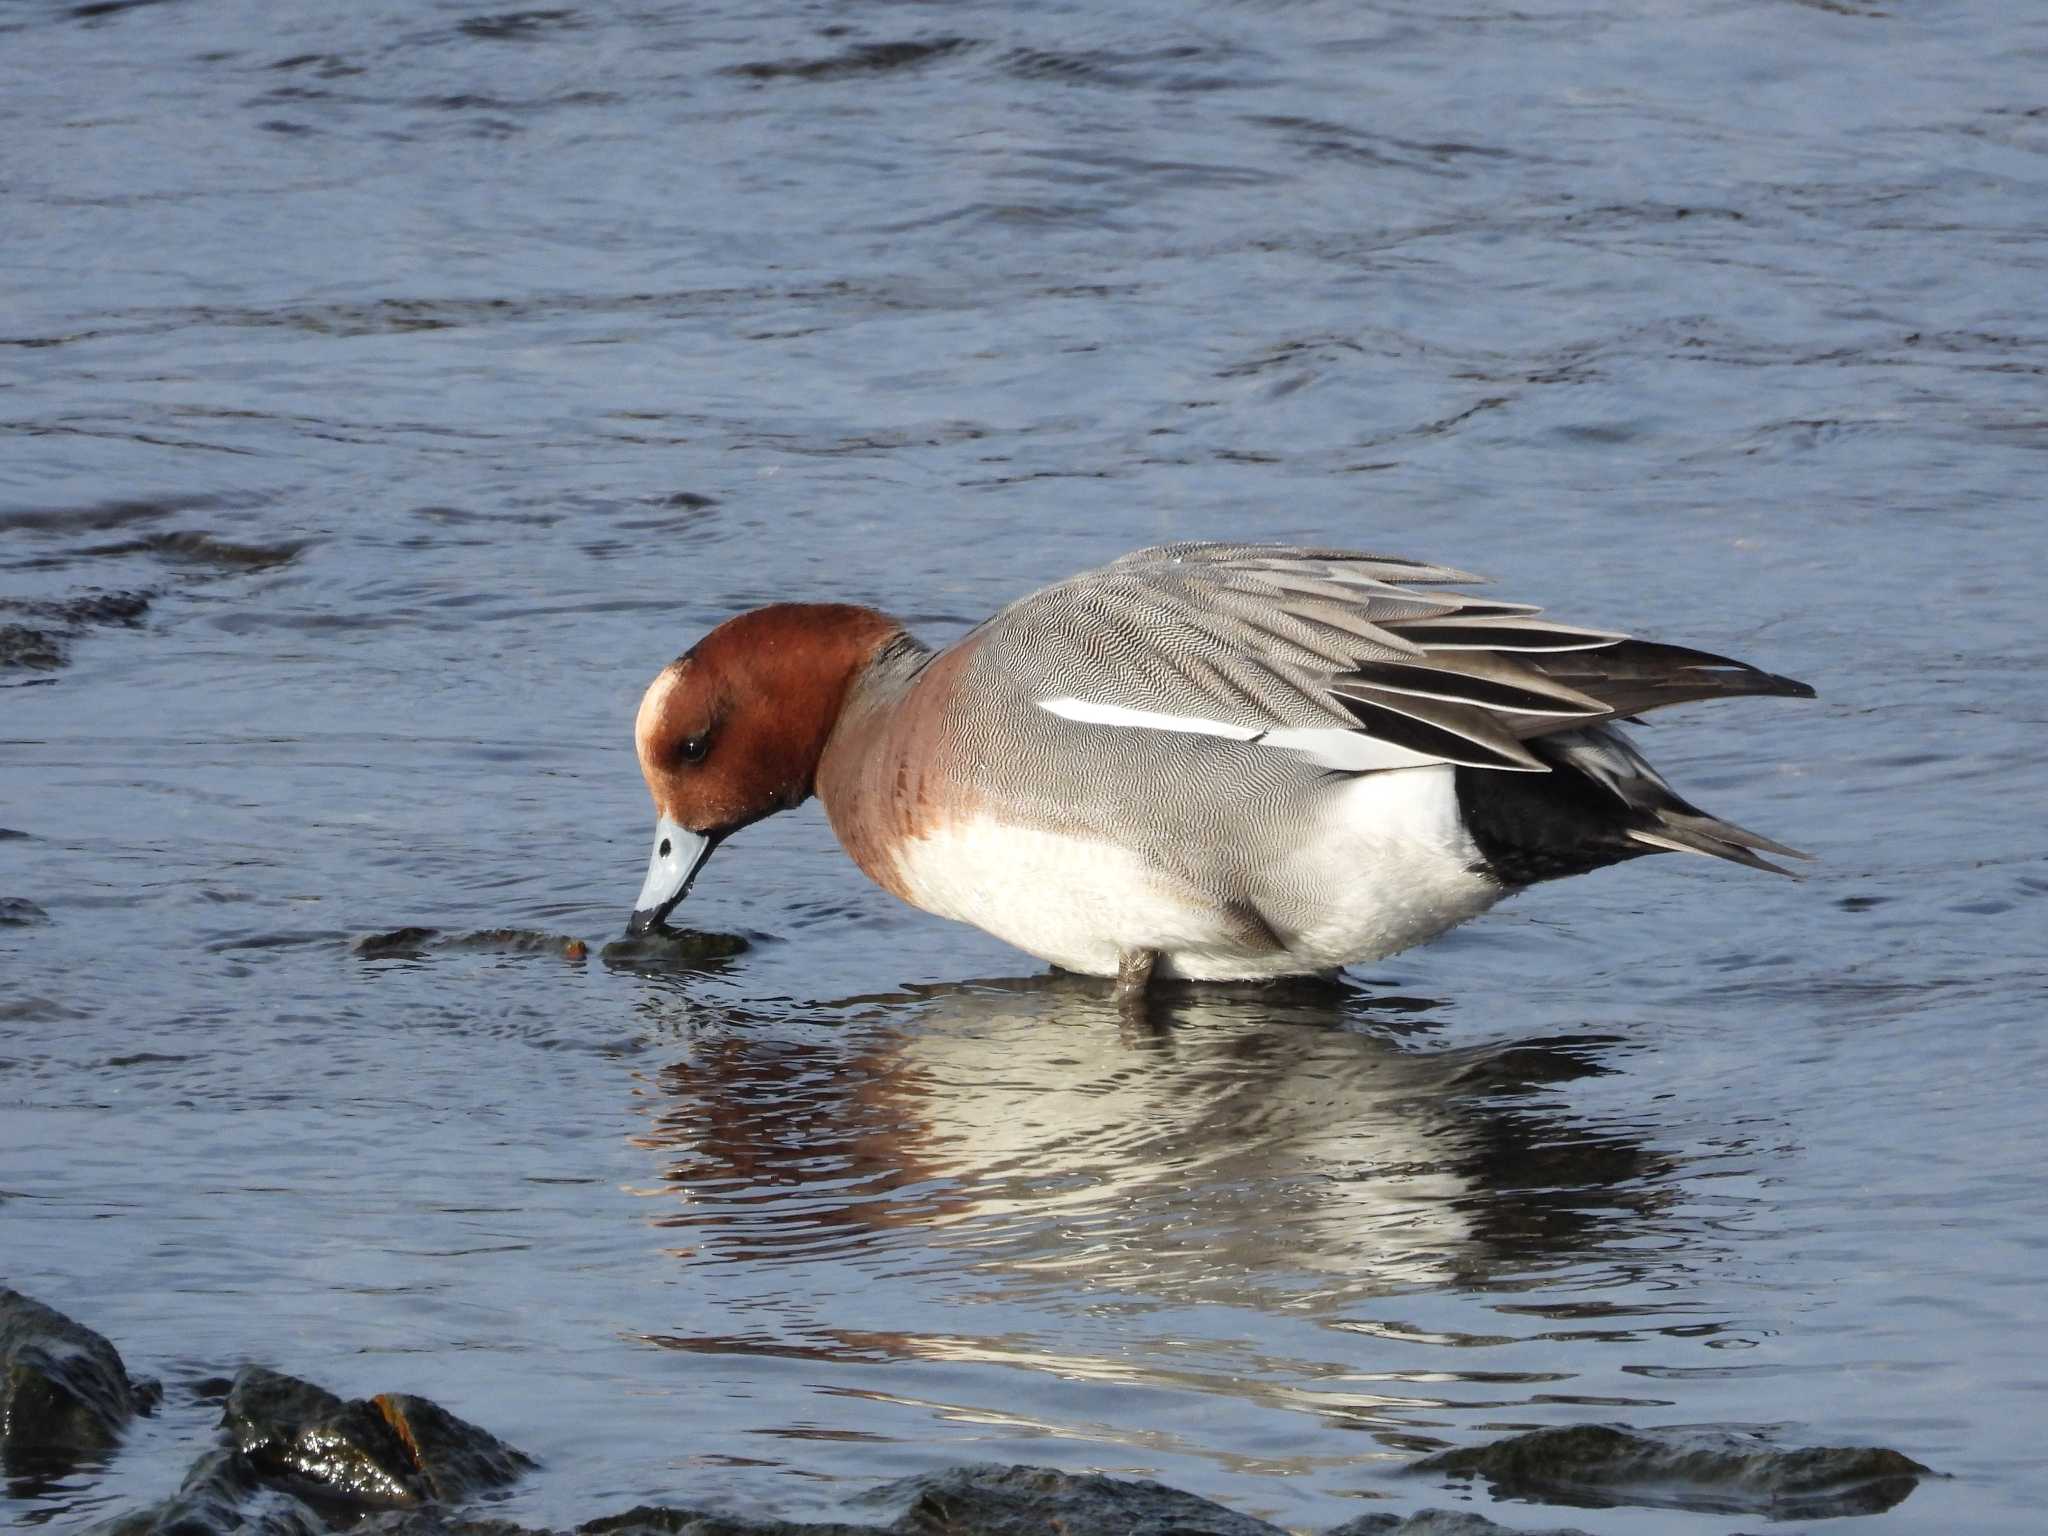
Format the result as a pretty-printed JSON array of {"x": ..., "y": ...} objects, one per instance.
[{"x": 1134, "y": 975}]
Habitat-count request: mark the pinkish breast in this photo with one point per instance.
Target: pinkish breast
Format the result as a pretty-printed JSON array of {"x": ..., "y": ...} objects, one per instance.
[{"x": 891, "y": 772}]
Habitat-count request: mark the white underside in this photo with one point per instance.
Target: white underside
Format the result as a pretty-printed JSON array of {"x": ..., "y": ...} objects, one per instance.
[{"x": 1386, "y": 865}]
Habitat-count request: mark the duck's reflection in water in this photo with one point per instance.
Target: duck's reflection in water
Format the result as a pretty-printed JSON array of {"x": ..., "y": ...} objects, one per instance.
[{"x": 1271, "y": 1148}]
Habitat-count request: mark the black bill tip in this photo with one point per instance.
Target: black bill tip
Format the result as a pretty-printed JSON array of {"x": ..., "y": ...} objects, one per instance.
[{"x": 650, "y": 920}]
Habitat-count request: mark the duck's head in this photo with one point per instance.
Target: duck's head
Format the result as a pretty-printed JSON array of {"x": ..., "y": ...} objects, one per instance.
[{"x": 732, "y": 730}]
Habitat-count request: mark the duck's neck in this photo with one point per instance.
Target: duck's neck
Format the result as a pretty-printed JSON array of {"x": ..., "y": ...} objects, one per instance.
[
  {"x": 884, "y": 777},
  {"x": 877, "y": 704}
]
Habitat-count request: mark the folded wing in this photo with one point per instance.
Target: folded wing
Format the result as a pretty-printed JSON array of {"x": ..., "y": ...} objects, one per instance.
[{"x": 1360, "y": 662}]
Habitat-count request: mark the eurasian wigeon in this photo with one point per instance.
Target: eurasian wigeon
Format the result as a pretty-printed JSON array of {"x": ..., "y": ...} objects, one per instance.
[{"x": 1222, "y": 761}]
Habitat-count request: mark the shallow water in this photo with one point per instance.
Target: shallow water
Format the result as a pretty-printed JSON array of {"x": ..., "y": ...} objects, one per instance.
[{"x": 426, "y": 376}]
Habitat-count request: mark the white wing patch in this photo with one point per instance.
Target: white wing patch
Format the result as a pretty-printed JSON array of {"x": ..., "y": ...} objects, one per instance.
[{"x": 1332, "y": 747}]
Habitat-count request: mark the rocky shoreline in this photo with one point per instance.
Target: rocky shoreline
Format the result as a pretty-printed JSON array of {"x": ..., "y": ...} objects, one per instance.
[{"x": 292, "y": 1459}]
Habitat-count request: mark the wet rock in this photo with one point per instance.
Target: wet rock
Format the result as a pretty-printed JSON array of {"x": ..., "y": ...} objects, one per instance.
[
  {"x": 397, "y": 943},
  {"x": 39, "y": 646},
  {"x": 20, "y": 912},
  {"x": 1441, "y": 1522},
  {"x": 74, "y": 613},
  {"x": 651, "y": 1520},
  {"x": 454, "y": 1457},
  {"x": 35, "y": 650},
  {"x": 389, "y": 1451},
  {"x": 962, "y": 1501},
  {"x": 224, "y": 1496},
  {"x": 193, "y": 547},
  {"x": 517, "y": 941},
  {"x": 861, "y": 59},
  {"x": 992, "y": 1500},
  {"x": 1011, "y": 1501},
  {"x": 293, "y": 1432},
  {"x": 1595, "y": 1466},
  {"x": 221, "y": 1496},
  {"x": 64, "y": 1393},
  {"x": 434, "y": 1522},
  {"x": 411, "y": 943},
  {"x": 665, "y": 948}
]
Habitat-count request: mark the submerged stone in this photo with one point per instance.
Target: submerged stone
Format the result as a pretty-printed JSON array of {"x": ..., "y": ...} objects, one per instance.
[
  {"x": 986, "y": 1500},
  {"x": 1595, "y": 1466},
  {"x": 20, "y": 912},
  {"x": 989, "y": 1500},
  {"x": 40, "y": 646},
  {"x": 220, "y": 1496},
  {"x": 666, "y": 947},
  {"x": 1441, "y": 1522},
  {"x": 65, "y": 1396},
  {"x": 410, "y": 943},
  {"x": 515, "y": 941},
  {"x": 205, "y": 549},
  {"x": 129, "y": 608},
  {"x": 36, "y": 650},
  {"x": 195, "y": 547},
  {"x": 225, "y": 1496},
  {"x": 396, "y": 943},
  {"x": 434, "y": 1522},
  {"x": 660, "y": 1520}
]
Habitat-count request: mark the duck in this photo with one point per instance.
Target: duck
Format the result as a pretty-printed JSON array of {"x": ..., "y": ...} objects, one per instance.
[{"x": 1208, "y": 761}]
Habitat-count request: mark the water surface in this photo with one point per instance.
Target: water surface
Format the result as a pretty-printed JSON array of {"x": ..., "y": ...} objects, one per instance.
[{"x": 386, "y": 391}]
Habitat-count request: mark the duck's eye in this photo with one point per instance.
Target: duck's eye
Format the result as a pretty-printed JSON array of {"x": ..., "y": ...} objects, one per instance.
[{"x": 694, "y": 748}]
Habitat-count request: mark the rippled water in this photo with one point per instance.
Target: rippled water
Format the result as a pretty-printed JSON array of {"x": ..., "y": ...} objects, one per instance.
[{"x": 387, "y": 390}]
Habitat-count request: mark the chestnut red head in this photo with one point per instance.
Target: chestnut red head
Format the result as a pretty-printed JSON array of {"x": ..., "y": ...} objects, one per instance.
[{"x": 732, "y": 731}]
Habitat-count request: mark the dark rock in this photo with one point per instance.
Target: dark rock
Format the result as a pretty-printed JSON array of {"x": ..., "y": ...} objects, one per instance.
[
  {"x": 656, "y": 1520},
  {"x": 454, "y": 1457},
  {"x": 40, "y": 646},
  {"x": 961, "y": 1501},
  {"x": 390, "y": 1451},
  {"x": 299, "y": 1435},
  {"x": 19, "y": 912},
  {"x": 64, "y": 1394},
  {"x": 990, "y": 1500},
  {"x": 1009, "y": 1501},
  {"x": 861, "y": 59},
  {"x": 193, "y": 547},
  {"x": 35, "y": 649},
  {"x": 516, "y": 941},
  {"x": 1441, "y": 1522},
  {"x": 124, "y": 608},
  {"x": 224, "y": 1496},
  {"x": 71, "y": 614},
  {"x": 411, "y": 943},
  {"x": 434, "y": 1522},
  {"x": 666, "y": 948},
  {"x": 220, "y": 1496},
  {"x": 1596, "y": 1466},
  {"x": 204, "y": 549},
  {"x": 398, "y": 943}
]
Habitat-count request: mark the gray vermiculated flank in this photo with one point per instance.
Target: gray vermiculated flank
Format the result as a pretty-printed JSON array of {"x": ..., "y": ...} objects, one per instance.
[{"x": 1270, "y": 637}]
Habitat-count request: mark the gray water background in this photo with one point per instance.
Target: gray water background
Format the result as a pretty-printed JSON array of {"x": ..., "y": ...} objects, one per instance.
[{"x": 439, "y": 373}]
